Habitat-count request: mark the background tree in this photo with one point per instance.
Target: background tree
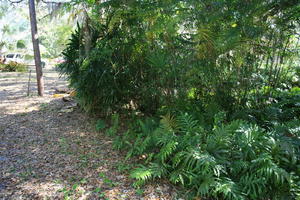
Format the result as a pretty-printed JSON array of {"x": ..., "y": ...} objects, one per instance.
[{"x": 20, "y": 37}]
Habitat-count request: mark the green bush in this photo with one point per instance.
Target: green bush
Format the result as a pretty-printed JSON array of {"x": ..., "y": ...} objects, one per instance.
[
  {"x": 13, "y": 67},
  {"x": 147, "y": 55},
  {"x": 237, "y": 160},
  {"x": 282, "y": 107},
  {"x": 149, "y": 58},
  {"x": 2, "y": 66}
]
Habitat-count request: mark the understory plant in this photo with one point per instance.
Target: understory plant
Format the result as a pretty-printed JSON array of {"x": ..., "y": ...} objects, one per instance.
[
  {"x": 13, "y": 67},
  {"x": 149, "y": 58},
  {"x": 236, "y": 160}
]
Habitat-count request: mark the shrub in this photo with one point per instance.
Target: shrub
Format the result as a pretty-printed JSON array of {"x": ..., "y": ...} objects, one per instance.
[
  {"x": 149, "y": 58},
  {"x": 13, "y": 67},
  {"x": 2, "y": 66},
  {"x": 237, "y": 160},
  {"x": 282, "y": 107},
  {"x": 149, "y": 55}
]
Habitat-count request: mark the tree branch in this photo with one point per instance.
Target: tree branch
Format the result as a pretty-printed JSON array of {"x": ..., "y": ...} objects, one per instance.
[{"x": 15, "y": 1}]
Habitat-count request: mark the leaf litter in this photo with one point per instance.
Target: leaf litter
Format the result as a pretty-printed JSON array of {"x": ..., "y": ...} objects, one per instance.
[{"x": 49, "y": 149}]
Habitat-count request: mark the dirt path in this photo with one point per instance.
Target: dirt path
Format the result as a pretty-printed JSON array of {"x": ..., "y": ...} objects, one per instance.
[{"x": 48, "y": 151}]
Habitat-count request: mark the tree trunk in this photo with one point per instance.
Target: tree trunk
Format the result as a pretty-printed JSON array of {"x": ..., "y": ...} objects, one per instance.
[{"x": 36, "y": 48}]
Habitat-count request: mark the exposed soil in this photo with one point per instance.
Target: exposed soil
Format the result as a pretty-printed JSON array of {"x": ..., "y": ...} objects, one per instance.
[{"x": 50, "y": 150}]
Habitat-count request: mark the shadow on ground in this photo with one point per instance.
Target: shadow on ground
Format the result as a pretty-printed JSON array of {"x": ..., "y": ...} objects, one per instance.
[{"x": 54, "y": 153}]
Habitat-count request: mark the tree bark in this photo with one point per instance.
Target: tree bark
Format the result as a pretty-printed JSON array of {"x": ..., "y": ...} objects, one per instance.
[{"x": 36, "y": 48}]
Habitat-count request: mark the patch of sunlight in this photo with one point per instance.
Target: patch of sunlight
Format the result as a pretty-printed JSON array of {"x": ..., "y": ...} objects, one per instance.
[{"x": 42, "y": 189}]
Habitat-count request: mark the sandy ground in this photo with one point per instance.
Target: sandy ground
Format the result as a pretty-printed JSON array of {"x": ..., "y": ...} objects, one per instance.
[{"x": 50, "y": 150}]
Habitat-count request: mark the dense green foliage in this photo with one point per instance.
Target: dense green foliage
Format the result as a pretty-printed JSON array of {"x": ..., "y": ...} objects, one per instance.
[
  {"x": 152, "y": 54},
  {"x": 237, "y": 160},
  {"x": 231, "y": 65}
]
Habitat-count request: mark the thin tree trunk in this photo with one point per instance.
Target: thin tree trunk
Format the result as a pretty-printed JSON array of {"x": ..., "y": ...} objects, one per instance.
[{"x": 36, "y": 49}]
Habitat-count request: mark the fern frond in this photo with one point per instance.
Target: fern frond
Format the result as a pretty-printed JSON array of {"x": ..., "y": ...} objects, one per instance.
[
  {"x": 157, "y": 170},
  {"x": 206, "y": 185},
  {"x": 167, "y": 150},
  {"x": 142, "y": 175},
  {"x": 229, "y": 189},
  {"x": 169, "y": 123},
  {"x": 267, "y": 168},
  {"x": 201, "y": 162},
  {"x": 177, "y": 176},
  {"x": 178, "y": 158},
  {"x": 252, "y": 185},
  {"x": 187, "y": 124},
  {"x": 164, "y": 138}
]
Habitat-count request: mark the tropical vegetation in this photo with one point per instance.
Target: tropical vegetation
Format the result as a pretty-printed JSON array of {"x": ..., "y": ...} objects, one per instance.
[{"x": 209, "y": 91}]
